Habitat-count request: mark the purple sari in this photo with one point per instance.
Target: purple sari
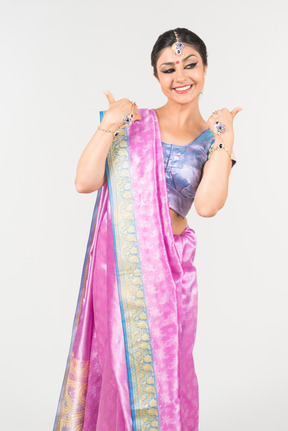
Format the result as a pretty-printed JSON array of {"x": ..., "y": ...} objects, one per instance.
[{"x": 130, "y": 364}]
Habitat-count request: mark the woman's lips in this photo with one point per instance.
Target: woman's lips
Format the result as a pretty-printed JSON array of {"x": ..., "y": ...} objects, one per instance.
[{"x": 183, "y": 89}]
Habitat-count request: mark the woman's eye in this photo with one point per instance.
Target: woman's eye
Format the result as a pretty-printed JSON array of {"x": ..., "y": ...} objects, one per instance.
[
  {"x": 168, "y": 70},
  {"x": 191, "y": 65}
]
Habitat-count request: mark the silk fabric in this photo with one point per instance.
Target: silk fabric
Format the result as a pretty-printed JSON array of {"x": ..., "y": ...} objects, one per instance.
[{"x": 130, "y": 363}]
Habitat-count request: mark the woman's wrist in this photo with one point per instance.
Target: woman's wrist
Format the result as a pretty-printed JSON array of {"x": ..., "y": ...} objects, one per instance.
[
  {"x": 108, "y": 123},
  {"x": 227, "y": 140},
  {"x": 221, "y": 145}
]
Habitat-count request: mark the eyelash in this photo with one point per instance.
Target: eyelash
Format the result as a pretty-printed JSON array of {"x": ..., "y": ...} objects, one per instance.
[{"x": 191, "y": 64}]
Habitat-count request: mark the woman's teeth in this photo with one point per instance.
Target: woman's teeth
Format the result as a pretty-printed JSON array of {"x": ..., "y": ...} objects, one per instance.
[{"x": 182, "y": 89}]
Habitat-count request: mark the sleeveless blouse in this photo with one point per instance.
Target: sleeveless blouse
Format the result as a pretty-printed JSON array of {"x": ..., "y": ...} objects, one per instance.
[{"x": 183, "y": 170}]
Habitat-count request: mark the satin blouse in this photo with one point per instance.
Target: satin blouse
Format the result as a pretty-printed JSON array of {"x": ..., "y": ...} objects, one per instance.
[{"x": 183, "y": 169}]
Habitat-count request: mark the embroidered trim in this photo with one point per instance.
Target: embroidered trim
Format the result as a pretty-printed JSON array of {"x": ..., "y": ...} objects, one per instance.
[
  {"x": 74, "y": 398},
  {"x": 135, "y": 323}
]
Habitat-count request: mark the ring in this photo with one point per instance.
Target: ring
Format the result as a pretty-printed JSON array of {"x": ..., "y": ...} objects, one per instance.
[
  {"x": 132, "y": 108},
  {"x": 219, "y": 127},
  {"x": 128, "y": 120}
]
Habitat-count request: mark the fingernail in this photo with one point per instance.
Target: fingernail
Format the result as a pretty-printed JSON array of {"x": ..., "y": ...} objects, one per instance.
[{"x": 105, "y": 91}]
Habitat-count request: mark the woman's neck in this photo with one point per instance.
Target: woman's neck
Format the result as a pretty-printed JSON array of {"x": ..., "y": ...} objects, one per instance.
[{"x": 184, "y": 116}]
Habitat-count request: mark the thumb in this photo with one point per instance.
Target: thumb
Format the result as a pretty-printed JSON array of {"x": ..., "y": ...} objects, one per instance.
[
  {"x": 235, "y": 111},
  {"x": 109, "y": 96}
]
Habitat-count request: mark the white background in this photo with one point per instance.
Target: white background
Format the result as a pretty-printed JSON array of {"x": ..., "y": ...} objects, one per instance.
[{"x": 57, "y": 57}]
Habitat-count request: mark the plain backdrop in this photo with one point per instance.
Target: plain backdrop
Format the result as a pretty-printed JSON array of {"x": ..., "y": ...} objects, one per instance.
[{"x": 57, "y": 57}]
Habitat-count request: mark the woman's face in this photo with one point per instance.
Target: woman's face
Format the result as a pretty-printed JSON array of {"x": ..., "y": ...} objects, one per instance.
[{"x": 181, "y": 77}]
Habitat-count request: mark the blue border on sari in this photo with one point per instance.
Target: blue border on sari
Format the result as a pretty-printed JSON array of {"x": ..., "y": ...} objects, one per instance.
[{"x": 119, "y": 291}]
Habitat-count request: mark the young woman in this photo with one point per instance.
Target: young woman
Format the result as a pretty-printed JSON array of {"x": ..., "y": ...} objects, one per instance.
[{"x": 130, "y": 364}]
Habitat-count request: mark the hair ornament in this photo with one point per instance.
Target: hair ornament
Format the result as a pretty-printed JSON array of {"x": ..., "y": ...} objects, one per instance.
[{"x": 178, "y": 46}]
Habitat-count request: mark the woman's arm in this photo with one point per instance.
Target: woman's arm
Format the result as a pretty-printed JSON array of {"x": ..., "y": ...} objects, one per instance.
[
  {"x": 91, "y": 175},
  {"x": 212, "y": 191}
]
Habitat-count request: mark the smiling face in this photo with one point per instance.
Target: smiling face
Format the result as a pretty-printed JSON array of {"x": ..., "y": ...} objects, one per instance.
[{"x": 181, "y": 77}]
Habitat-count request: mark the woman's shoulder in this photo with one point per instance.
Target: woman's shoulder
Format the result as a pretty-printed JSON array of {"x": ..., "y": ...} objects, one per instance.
[{"x": 207, "y": 140}]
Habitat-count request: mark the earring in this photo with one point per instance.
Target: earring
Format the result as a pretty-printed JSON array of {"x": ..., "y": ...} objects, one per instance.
[{"x": 202, "y": 91}]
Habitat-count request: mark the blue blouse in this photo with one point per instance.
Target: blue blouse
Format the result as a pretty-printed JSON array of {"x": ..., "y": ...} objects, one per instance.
[{"x": 183, "y": 169}]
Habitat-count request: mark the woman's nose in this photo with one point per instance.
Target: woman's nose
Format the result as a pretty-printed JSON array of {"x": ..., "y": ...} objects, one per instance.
[{"x": 180, "y": 75}]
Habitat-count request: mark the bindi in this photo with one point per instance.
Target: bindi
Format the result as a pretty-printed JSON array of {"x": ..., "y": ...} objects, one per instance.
[{"x": 177, "y": 62}]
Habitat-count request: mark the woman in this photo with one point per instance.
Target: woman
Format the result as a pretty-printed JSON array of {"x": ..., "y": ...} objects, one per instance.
[{"x": 130, "y": 364}]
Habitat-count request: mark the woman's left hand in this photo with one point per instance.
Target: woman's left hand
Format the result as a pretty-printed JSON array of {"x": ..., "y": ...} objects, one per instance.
[{"x": 225, "y": 117}]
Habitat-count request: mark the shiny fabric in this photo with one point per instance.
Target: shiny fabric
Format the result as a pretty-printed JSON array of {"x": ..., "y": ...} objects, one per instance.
[
  {"x": 130, "y": 363},
  {"x": 183, "y": 170}
]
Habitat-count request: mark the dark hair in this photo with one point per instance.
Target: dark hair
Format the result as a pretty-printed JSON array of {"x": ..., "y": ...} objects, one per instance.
[{"x": 168, "y": 39}]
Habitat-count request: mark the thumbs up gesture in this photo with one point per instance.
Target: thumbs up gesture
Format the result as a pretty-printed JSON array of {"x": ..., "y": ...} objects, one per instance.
[
  {"x": 118, "y": 110},
  {"x": 224, "y": 116}
]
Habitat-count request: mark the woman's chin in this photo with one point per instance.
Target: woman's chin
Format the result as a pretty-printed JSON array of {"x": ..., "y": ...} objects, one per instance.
[{"x": 182, "y": 100}]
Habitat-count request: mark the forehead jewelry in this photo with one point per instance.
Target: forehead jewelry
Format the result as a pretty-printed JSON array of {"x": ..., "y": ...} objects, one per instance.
[{"x": 178, "y": 46}]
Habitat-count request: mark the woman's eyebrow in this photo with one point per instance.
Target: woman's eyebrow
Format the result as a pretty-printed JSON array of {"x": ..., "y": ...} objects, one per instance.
[{"x": 184, "y": 59}]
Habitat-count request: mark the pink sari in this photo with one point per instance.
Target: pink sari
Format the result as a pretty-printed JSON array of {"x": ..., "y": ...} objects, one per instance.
[{"x": 130, "y": 364}]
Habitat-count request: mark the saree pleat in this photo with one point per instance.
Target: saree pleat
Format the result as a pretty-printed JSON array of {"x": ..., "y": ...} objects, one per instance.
[{"x": 130, "y": 364}]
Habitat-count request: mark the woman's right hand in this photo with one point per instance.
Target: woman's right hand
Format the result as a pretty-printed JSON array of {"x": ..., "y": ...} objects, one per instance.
[
  {"x": 91, "y": 174},
  {"x": 117, "y": 110}
]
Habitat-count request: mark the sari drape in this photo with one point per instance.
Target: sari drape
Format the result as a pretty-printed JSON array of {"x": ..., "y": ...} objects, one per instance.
[{"x": 130, "y": 363}]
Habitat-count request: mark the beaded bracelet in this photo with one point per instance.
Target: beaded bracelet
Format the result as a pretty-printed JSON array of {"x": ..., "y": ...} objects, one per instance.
[
  {"x": 219, "y": 128},
  {"x": 219, "y": 147},
  {"x": 115, "y": 132},
  {"x": 128, "y": 120}
]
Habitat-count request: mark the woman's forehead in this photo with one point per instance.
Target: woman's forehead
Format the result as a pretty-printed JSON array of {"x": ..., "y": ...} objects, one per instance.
[{"x": 167, "y": 54}]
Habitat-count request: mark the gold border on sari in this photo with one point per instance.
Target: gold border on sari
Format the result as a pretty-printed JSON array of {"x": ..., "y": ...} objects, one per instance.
[{"x": 138, "y": 345}]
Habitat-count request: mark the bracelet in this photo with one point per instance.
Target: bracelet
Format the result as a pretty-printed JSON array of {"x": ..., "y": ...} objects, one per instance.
[
  {"x": 219, "y": 147},
  {"x": 219, "y": 128},
  {"x": 115, "y": 133},
  {"x": 128, "y": 120}
]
